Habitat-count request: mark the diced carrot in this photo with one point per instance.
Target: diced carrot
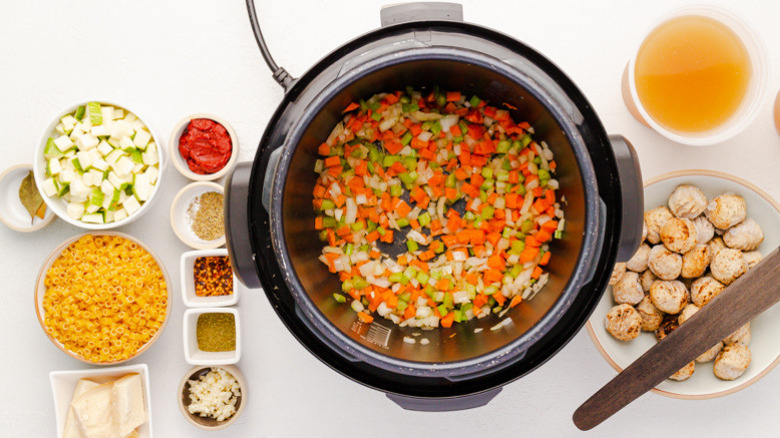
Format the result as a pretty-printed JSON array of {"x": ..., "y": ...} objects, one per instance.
[
  {"x": 324, "y": 149},
  {"x": 455, "y": 130},
  {"x": 493, "y": 276},
  {"x": 410, "y": 312},
  {"x": 335, "y": 171},
  {"x": 543, "y": 236},
  {"x": 517, "y": 299},
  {"x": 453, "y": 96},
  {"x": 332, "y": 161},
  {"x": 365, "y": 317},
  {"x": 318, "y": 223},
  {"x": 393, "y": 147},
  {"x": 550, "y": 225},
  {"x": 402, "y": 260},
  {"x": 480, "y": 300},
  {"x": 319, "y": 191},
  {"x": 443, "y": 284},
  {"x": 545, "y": 258},
  {"x": 496, "y": 262},
  {"x": 451, "y": 193},
  {"x": 448, "y": 319},
  {"x": 536, "y": 272},
  {"x": 373, "y": 236},
  {"x": 403, "y": 209},
  {"x": 500, "y": 298},
  {"x": 350, "y": 107},
  {"x": 528, "y": 254}
]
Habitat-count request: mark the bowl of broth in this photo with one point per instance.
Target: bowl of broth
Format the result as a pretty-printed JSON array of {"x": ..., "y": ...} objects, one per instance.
[{"x": 699, "y": 77}]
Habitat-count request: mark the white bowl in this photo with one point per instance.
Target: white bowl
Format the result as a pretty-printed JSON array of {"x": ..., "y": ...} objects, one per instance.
[
  {"x": 181, "y": 222},
  {"x": 210, "y": 423},
  {"x": 765, "y": 342},
  {"x": 59, "y": 206},
  {"x": 183, "y": 167},
  {"x": 63, "y": 383},
  {"x": 40, "y": 290},
  {"x": 194, "y": 355},
  {"x": 12, "y": 212},
  {"x": 188, "y": 281}
]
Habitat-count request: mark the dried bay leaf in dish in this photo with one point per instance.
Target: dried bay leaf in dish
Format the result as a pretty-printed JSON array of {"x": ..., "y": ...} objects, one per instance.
[{"x": 31, "y": 198}]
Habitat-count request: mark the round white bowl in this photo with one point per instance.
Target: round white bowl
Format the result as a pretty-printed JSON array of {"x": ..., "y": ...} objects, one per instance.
[
  {"x": 59, "y": 206},
  {"x": 40, "y": 290},
  {"x": 765, "y": 341},
  {"x": 181, "y": 221},
  {"x": 181, "y": 165},
  {"x": 210, "y": 423},
  {"x": 12, "y": 212}
]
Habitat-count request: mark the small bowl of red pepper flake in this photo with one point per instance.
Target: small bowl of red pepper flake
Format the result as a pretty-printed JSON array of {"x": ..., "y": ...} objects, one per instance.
[
  {"x": 204, "y": 147},
  {"x": 207, "y": 279}
]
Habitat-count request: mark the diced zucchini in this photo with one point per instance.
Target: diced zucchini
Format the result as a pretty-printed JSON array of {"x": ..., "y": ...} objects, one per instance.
[
  {"x": 118, "y": 113},
  {"x": 152, "y": 172},
  {"x": 75, "y": 210},
  {"x": 100, "y": 164},
  {"x": 95, "y": 116},
  {"x": 142, "y": 187},
  {"x": 84, "y": 160},
  {"x": 80, "y": 111},
  {"x": 123, "y": 166},
  {"x": 120, "y": 214},
  {"x": 106, "y": 187},
  {"x": 86, "y": 142},
  {"x": 113, "y": 156},
  {"x": 92, "y": 218},
  {"x": 142, "y": 138},
  {"x": 63, "y": 143},
  {"x": 104, "y": 148},
  {"x": 53, "y": 167},
  {"x": 51, "y": 150},
  {"x": 67, "y": 175},
  {"x": 126, "y": 142},
  {"x": 107, "y": 114},
  {"x": 49, "y": 187},
  {"x": 99, "y": 131},
  {"x": 78, "y": 188},
  {"x": 131, "y": 205}
]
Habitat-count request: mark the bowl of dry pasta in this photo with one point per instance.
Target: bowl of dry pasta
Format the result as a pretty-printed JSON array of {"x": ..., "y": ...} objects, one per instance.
[{"x": 102, "y": 298}]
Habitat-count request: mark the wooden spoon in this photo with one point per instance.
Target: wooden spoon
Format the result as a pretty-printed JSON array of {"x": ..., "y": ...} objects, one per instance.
[{"x": 738, "y": 304}]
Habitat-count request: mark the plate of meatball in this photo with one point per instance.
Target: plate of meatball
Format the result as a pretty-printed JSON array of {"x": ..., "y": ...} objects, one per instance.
[{"x": 702, "y": 231}]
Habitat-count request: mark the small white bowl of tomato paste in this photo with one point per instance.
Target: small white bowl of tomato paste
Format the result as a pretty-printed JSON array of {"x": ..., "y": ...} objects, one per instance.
[{"x": 204, "y": 147}]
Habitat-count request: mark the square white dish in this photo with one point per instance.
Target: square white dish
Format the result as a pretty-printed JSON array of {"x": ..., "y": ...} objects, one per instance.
[
  {"x": 188, "y": 281},
  {"x": 63, "y": 383},
  {"x": 194, "y": 355}
]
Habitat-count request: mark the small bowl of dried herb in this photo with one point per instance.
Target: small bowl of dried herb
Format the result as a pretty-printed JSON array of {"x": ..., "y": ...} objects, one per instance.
[
  {"x": 212, "y": 336},
  {"x": 21, "y": 205},
  {"x": 207, "y": 279},
  {"x": 197, "y": 215}
]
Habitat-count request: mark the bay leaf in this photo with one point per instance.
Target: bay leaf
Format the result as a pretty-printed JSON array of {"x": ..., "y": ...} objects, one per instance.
[{"x": 30, "y": 196}]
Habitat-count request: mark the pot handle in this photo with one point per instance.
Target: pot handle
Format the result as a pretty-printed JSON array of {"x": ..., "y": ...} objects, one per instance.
[
  {"x": 242, "y": 259},
  {"x": 419, "y": 11},
  {"x": 270, "y": 170},
  {"x": 630, "y": 176},
  {"x": 444, "y": 405}
]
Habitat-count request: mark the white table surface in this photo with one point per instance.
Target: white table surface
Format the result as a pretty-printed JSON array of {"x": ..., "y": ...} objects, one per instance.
[{"x": 168, "y": 59}]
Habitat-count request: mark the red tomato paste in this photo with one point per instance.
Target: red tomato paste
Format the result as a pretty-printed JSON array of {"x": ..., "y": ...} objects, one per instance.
[{"x": 205, "y": 145}]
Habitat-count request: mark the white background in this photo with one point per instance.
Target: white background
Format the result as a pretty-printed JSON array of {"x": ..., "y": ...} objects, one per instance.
[{"x": 168, "y": 59}]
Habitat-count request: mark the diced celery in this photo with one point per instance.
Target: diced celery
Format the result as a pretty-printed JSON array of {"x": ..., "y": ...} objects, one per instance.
[
  {"x": 443, "y": 310},
  {"x": 503, "y": 146},
  {"x": 327, "y": 204},
  {"x": 412, "y": 245},
  {"x": 329, "y": 222},
  {"x": 402, "y": 222},
  {"x": 424, "y": 219},
  {"x": 525, "y": 140},
  {"x": 526, "y": 226},
  {"x": 487, "y": 173},
  {"x": 341, "y": 299},
  {"x": 474, "y": 101}
]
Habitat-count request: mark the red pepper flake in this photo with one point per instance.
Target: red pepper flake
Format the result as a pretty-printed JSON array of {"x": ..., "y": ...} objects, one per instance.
[
  {"x": 206, "y": 146},
  {"x": 213, "y": 276}
]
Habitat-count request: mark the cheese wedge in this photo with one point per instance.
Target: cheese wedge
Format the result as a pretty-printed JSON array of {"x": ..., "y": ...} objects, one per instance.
[
  {"x": 94, "y": 413},
  {"x": 71, "y": 429},
  {"x": 127, "y": 397}
]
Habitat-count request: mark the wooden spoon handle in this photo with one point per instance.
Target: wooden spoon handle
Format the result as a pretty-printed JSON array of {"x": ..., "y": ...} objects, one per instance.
[{"x": 738, "y": 304}]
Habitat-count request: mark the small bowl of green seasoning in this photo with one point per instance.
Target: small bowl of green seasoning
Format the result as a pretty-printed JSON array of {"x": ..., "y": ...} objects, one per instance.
[
  {"x": 212, "y": 336},
  {"x": 197, "y": 215}
]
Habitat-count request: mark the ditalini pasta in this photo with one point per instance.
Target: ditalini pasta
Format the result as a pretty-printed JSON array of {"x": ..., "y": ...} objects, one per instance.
[{"x": 105, "y": 298}]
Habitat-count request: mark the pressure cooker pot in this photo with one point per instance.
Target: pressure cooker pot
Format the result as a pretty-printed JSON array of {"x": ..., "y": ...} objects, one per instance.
[{"x": 270, "y": 220}]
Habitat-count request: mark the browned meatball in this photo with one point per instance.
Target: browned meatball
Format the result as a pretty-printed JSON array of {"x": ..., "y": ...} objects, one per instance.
[
  {"x": 728, "y": 265},
  {"x": 651, "y": 316},
  {"x": 684, "y": 373},
  {"x": 716, "y": 244},
  {"x": 745, "y": 236},
  {"x": 623, "y": 322},
  {"x": 679, "y": 235},
  {"x": 668, "y": 325},
  {"x": 711, "y": 353},
  {"x": 732, "y": 361},
  {"x": 752, "y": 258},
  {"x": 665, "y": 264},
  {"x": 695, "y": 261},
  {"x": 687, "y": 201},
  {"x": 704, "y": 229},
  {"x": 628, "y": 290},
  {"x": 726, "y": 210},
  {"x": 669, "y": 296},
  {"x": 687, "y": 312},
  {"x": 646, "y": 280},
  {"x": 638, "y": 262},
  {"x": 740, "y": 336},
  {"x": 617, "y": 272},
  {"x": 655, "y": 219},
  {"x": 704, "y": 289}
]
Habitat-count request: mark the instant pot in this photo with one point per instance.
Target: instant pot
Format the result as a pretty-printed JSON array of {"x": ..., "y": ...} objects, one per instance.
[{"x": 270, "y": 219}]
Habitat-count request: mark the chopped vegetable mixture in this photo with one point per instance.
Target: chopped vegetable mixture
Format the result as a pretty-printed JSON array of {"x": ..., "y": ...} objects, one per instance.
[{"x": 468, "y": 191}]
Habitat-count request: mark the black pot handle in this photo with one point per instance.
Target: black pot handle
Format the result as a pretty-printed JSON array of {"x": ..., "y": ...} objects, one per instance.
[
  {"x": 237, "y": 231},
  {"x": 418, "y": 11},
  {"x": 630, "y": 176},
  {"x": 444, "y": 404}
]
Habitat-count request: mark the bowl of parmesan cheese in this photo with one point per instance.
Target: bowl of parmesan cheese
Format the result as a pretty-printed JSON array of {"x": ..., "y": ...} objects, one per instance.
[{"x": 212, "y": 397}]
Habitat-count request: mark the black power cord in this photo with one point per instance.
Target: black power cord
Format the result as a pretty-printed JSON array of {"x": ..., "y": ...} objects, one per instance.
[{"x": 279, "y": 73}]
